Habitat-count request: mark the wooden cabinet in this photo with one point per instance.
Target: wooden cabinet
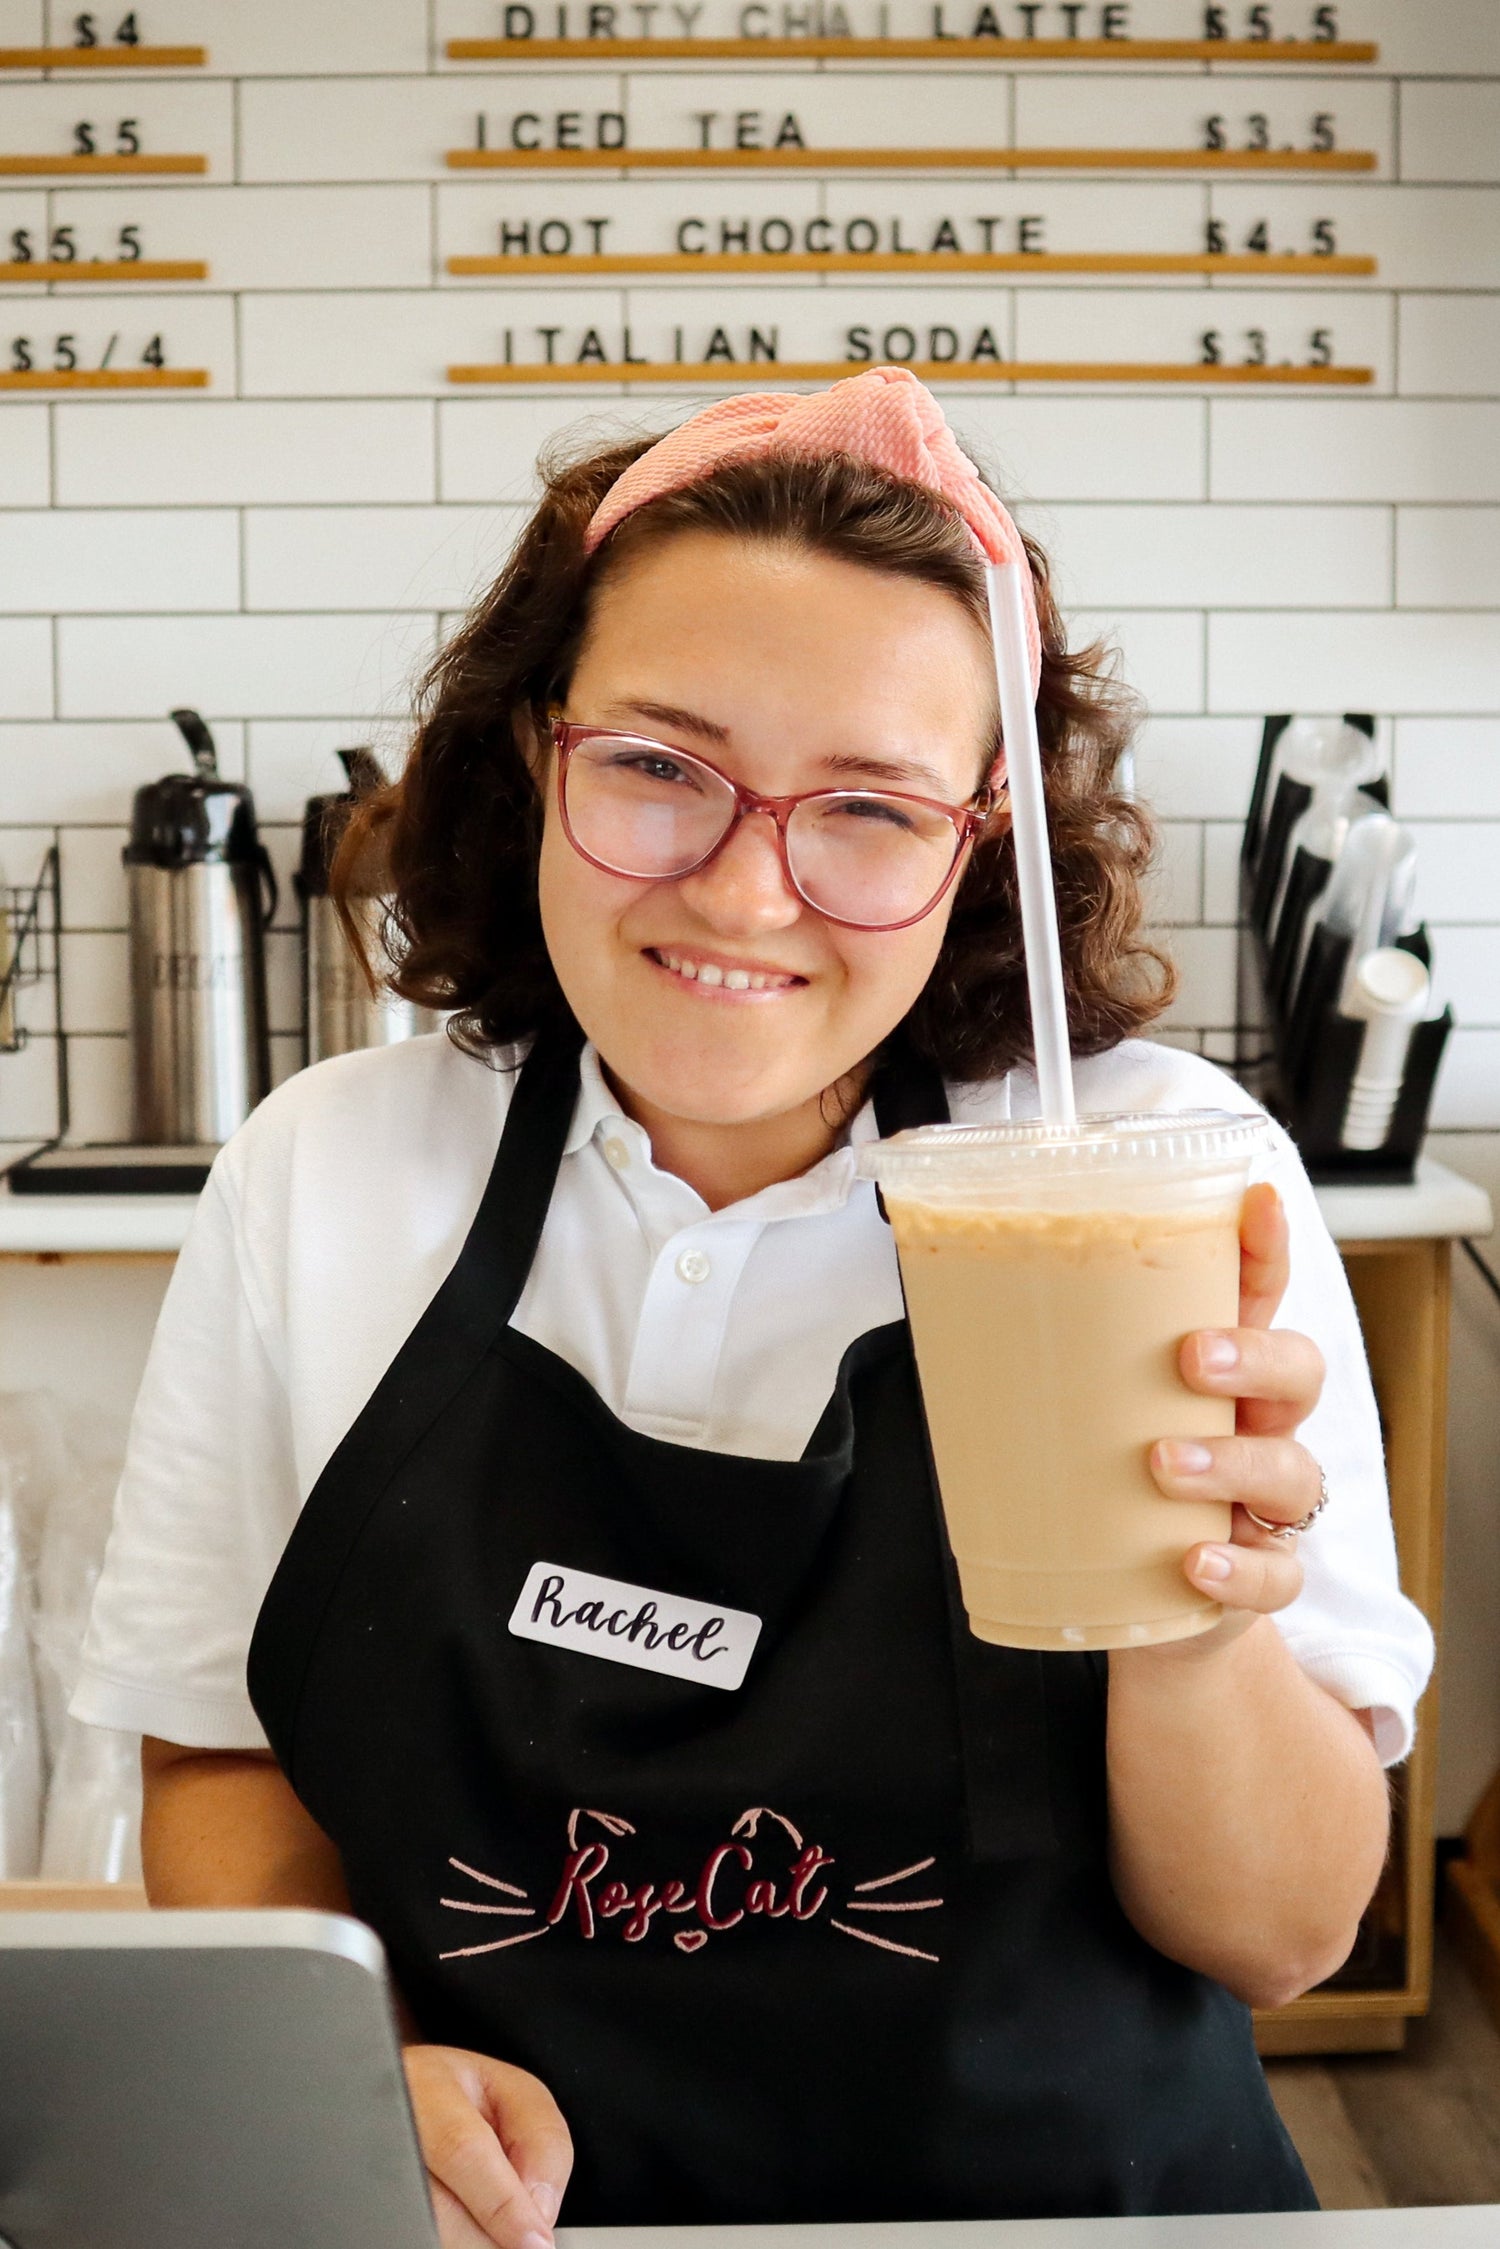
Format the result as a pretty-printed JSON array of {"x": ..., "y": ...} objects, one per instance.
[{"x": 1402, "y": 1290}]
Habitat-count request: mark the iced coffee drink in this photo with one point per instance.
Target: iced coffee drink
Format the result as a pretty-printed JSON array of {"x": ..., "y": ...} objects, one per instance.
[{"x": 1050, "y": 1278}]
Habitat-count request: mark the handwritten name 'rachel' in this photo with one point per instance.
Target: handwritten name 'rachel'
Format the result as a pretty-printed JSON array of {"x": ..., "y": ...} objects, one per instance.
[{"x": 637, "y": 1626}]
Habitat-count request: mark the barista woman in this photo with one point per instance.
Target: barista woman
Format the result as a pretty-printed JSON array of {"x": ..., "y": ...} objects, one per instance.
[{"x": 473, "y": 1373}]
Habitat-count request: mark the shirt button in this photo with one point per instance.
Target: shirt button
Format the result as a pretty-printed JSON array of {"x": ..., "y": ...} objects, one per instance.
[
  {"x": 616, "y": 1154},
  {"x": 693, "y": 1266}
]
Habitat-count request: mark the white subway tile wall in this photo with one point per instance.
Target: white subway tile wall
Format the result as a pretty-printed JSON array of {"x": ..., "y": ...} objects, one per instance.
[{"x": 285, "y": 546}]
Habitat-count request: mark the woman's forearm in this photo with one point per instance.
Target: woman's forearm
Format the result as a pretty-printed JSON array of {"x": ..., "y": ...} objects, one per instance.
[
  {"x": 223, "y": 1828},
  {"x": 1248, "y": 1811}
]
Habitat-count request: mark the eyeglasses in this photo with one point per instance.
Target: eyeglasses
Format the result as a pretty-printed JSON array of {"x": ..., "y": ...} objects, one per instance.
[{"x": 864, "y": 857}]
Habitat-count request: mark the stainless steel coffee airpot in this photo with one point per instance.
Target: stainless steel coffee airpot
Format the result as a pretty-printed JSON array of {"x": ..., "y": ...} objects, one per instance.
[
  {"x": 202, "y": 893},
  {"x": 341, "y": 1012}
]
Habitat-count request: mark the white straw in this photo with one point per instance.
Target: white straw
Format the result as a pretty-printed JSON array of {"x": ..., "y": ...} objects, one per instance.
[{"x": 1028, "y": 812}]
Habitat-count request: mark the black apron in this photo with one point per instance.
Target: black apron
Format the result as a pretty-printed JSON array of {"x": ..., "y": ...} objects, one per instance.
[{"x": 840, "y": 1944}]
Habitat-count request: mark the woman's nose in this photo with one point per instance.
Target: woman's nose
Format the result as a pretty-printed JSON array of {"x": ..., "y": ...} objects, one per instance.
[{"x": 745, "y": 886}]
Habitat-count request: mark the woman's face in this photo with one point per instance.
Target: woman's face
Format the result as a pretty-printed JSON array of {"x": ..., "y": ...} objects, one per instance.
[{"x": 780, "y": 667}]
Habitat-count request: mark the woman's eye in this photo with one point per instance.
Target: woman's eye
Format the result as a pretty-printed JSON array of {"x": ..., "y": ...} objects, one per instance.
[
  {"x": 879, "y": 810},
  {"x": 652, "y": 768}
]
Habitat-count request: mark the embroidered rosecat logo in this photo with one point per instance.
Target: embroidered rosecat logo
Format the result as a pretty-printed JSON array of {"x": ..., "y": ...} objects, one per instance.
[{"x": 747, "y": 1878}]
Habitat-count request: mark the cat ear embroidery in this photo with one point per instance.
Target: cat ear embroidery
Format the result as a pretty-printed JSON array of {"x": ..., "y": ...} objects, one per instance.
[
  {"x": 749, "y": 1822},
  {"x": 611, "y": 1823}
]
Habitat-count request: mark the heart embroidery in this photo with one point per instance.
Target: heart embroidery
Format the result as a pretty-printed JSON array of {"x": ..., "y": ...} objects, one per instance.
[{"x": 690, "y": 1940}]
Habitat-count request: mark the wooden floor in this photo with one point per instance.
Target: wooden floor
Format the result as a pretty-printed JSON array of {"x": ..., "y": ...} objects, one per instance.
[{"x": 1393, "y": 2130}]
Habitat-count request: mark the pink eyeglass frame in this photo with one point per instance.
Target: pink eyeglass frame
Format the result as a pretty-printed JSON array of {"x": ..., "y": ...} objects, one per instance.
[{"x": 967, "y": 819}]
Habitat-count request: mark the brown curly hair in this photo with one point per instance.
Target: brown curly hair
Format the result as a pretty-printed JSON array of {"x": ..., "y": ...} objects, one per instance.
[{"x": 458, "y": 834}]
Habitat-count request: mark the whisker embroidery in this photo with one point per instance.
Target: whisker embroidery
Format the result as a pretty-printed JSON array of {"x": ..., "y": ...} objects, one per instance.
[
  {"x": 491, "y": 1883},
  {"x": 471, "y": 1951},
  {"x": 855, "y": 1905},
  {"x": 884, "y": 1881},
  {"x": 907, "y": 1951},
  {"x": 462, "y": 1905}
]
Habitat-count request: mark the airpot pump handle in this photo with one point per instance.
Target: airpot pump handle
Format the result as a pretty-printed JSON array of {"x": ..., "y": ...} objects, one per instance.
[
  {"x": 194, "y": 731},
  {"x": 363, "y": 770}
]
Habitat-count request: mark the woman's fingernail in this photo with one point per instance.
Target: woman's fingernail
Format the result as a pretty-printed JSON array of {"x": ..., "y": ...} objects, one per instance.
[
  {"x": 1217, "y": 1354},
  {"x": 547, "y": 2199},
  {"x": 1184, "y": 1458},
  {"x": 1215, "y": 1563}
]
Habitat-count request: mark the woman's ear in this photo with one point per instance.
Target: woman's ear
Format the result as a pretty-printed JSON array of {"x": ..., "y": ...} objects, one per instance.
[
  {"x": 999, "y": 813},
  {"x": 533, "y": 740}
]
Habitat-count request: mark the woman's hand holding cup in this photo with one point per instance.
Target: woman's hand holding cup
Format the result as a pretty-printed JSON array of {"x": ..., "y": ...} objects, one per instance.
[{"x": 1275, "y": 1376}]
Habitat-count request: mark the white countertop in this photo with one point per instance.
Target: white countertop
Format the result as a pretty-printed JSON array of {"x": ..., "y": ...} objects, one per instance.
[
  {"x": 1438, "y": 1204},
  {"x": 92, "y": 1225},
  {"x": 1460, "y": 2227}
]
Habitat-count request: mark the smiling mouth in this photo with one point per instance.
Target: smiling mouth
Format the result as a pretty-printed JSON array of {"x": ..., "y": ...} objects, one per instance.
[{"x": 715, "y": 976}]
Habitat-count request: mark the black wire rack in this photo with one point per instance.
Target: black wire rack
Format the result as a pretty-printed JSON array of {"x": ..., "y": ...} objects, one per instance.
[{"x": 31, "y": 956}]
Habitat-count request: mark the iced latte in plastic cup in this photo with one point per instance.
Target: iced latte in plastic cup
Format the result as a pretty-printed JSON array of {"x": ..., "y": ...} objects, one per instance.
[{"x": 1050, "y": 1276}]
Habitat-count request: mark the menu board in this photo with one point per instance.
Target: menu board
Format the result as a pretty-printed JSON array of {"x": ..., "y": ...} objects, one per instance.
[{"x": 681, "y": 191}]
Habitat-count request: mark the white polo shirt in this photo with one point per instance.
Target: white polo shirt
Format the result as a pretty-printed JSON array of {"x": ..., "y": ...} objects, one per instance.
[{"x": 333, "y": 1215}]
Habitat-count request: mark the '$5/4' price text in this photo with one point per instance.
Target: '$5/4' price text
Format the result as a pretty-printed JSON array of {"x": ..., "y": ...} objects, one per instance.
[{"x": 64, "y": 354}]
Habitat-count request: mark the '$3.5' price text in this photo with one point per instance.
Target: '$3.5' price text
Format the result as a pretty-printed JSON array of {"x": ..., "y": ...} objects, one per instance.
[{"x": 1248, "y": 347}]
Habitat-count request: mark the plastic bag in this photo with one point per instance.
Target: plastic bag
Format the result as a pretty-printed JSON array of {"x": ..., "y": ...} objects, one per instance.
[
  {"x": 20, "y": 1721},
  {"x": 69, "y": 1560},
  {"x": 61, "y": 1475},
  {"x": 93, "y": 1828}
]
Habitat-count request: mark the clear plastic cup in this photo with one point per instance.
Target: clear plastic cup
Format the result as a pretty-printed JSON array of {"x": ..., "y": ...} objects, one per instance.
[{"x": 1050, "y": 1276}]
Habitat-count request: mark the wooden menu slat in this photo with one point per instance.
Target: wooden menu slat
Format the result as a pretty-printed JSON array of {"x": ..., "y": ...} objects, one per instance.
[
  {"x": 907, "y": 159},
  {"x": 108, "y": 378},
  {"x": 1339, "y": 51},
  {"x": 102, "y": 58},
  {"x": 701, "y": 372},
  {"x": 46, "y": 167},
  {"x": 103, "y": 269},
  {"x": 907, "y": 261}
]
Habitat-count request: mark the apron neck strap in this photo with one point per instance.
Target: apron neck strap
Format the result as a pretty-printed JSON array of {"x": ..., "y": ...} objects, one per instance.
[
  {"x": 513, "y": 1210},
  {"x": 908, "y": 1090}
]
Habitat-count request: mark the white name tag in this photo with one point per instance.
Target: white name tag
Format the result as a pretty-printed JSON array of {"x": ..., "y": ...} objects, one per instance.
[{"x": 600, "y": 1616}]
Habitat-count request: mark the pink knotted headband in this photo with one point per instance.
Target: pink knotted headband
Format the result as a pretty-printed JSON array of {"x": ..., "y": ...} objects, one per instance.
[{"x": 883, "y": 416}]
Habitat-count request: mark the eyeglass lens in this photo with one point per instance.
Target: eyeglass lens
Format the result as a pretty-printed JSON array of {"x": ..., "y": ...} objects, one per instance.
[{"x": 642, "y": 810}]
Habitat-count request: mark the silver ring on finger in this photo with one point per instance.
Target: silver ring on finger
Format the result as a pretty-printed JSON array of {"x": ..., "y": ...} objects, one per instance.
[{"x": 1291, "y": 1530}]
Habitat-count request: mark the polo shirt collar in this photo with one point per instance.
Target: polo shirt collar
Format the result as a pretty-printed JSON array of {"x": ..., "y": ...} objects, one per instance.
[
  {"x": 595, "y": 1105},
  {"x": 824, "y": 1186}
]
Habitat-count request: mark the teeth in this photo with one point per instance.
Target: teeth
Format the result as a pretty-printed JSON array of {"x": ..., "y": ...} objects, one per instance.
[{"x": 732, "y": 979}]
